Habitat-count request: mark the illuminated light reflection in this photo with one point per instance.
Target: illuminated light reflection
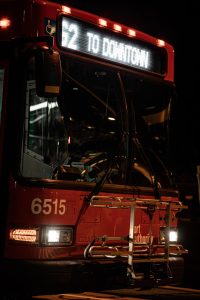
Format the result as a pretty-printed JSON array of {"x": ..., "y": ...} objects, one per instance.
[
  {"x": 43, "y": 105},
  {"x": 111, "y": 118}
]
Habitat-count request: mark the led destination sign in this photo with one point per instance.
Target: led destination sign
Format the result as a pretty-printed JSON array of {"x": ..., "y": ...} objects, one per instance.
[{"x": 98, "y": 42}]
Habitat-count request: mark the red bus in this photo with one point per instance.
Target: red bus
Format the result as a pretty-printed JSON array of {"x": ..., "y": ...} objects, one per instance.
[{"x": 86, "y": 186}]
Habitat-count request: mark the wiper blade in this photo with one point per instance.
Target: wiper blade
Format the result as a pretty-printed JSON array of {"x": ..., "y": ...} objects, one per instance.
[
  {"x": 105, "y": 177},
  {"x": 146, "y": 159},
  {"x": 123, "y": 141}
]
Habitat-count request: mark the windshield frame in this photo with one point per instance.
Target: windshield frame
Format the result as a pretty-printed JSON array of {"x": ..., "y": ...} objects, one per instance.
[{"x": 119, "y": 70}]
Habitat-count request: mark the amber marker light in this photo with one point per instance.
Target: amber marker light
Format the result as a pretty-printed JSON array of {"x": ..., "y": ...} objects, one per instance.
[
  {"x": 102, "y": 22},
  {"x": 5, "y": 23},
  {"x": 117, "y": 27},
  {"x": 131, "y": 32},
  {"x": 66, "y": 9},
  {"x": 160, "y": 43}
]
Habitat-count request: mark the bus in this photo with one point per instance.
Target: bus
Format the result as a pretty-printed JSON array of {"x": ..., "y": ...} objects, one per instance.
[{"x": 86, "y": 184}]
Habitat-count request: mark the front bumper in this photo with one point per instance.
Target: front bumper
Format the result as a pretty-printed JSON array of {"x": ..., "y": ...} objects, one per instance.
[{"x": 67, "y": 275}]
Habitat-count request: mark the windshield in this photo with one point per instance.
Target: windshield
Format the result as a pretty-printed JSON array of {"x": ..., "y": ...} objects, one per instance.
[{"x": 103, "y": 120}]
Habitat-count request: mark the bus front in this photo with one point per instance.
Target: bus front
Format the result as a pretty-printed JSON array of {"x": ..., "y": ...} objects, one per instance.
[{"x": 88, "y": 182}]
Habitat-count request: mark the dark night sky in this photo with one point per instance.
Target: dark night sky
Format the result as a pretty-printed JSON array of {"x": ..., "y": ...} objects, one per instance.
[{"x": 176, "y": 23}]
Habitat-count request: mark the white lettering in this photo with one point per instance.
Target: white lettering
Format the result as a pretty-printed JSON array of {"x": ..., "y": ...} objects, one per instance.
[
  {"x": 95, "y": 46},
  {"x": 64, "y": 41},
  {"x": 112, "y": 49},
  {"x": 90, "y": 35},
  {"x": 143, "y": 239},
  {"x": 139, "y": 238},
  {"x": 121, "y": 52},
  {"x": 76, "y": 37},
  {"x": 93, "y": 42},
  {"x": 48, "y": 206},
  {"x": 144, "y": 59},
  {"x": 105, "y": 46},
  {"x": 125, "y": 53},
  {"x": 70, "y": 35}
]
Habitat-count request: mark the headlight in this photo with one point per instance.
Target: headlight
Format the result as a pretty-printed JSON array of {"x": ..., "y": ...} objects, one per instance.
[
  {"x": 57, "y": 236},
  {"x": 53, "y": 236},
  {"x": 173, "y": 235}
]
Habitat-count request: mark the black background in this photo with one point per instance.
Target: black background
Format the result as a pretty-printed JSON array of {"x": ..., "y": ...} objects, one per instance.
[{"x": 175, "y": 22}]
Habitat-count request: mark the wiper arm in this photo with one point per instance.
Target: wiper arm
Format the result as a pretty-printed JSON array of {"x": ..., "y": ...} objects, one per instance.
[
  {"x": 145, "y": 158},
  {"x": 101, "y": 182},
  {"x": 123, "y": 141}
]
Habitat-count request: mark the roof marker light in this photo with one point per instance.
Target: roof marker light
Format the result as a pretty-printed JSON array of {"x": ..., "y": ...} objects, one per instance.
[
  {"x": 102, "y": 22},
  {"x": 5, "y": 23},
  {"x": 131, "y": 32},
  {"x": 66, "y": 9},
  {"x": 117, "y": 27},
  {"x": 160, "y": 43}
]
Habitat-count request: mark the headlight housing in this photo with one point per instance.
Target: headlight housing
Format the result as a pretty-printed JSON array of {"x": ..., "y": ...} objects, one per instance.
[
  {"x": 46, "y": 235},
  {"x": 57, "y": 236}
]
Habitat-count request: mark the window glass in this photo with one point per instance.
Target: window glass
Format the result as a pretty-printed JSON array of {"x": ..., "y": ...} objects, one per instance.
[
  {"x": 45, "y": 136},
  {"x": 77, "y": 136},
  {"x": 149, "y": 117},
  {"x": 91, "y": 105},
  {"x": 103, "y": 126}
]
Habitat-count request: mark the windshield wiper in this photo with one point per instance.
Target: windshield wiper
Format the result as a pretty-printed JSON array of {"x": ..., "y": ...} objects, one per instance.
[
  {"x": 112, "y": 162},
  {"x": 123, "y": 141}
]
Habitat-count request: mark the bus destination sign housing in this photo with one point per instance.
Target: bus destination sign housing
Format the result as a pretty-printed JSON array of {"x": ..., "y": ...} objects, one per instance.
[{"x": 85, "y": 38}]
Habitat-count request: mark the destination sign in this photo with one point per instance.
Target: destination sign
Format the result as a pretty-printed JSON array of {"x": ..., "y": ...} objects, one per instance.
[{"x": 101, "y": 43}]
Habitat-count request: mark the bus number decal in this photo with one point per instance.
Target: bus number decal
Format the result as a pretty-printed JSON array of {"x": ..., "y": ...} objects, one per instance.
[{"x": 48, "y": 206}]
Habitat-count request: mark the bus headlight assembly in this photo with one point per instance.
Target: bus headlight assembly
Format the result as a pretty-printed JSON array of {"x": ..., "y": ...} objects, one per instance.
[
  {"x": 47, "y": 235},
  {"x": 172, "y": 235},
  {"x": 57, "y": 236}
]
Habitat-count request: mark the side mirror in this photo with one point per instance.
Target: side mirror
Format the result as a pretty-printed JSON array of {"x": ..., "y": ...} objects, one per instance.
[{"x": 48, "y": 72}]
